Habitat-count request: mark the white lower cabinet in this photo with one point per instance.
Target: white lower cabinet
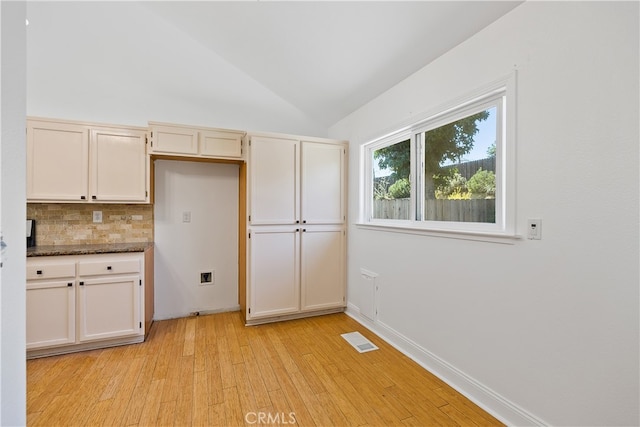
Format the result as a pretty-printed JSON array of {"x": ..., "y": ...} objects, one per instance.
[
  {"x": 51, "y": 308},
  {"x": 322, "y": 268},
  {"x": 95, "y": 300},
  {"x": 109, "y": 308},
  {"x": 294, "y": 272},
  {"x": 274, "y": 272}
]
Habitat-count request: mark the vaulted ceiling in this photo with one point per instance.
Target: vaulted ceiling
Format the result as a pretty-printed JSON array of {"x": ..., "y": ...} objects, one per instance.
[{"x": 330, "y": 58}]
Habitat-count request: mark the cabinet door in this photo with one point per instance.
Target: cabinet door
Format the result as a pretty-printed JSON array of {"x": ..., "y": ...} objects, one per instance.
[
  {"x": 274, "y": 181},
  {"x": 57, "y": 161},
  {"x": 322, "y": 267},
  {"x": 221, "y": 144},
  {"x": 273, "y": 272},
  {"x": 174, "y": 140},
  {"x": 51, "y": 313},
  {"x": 323, "y": 181},
  {"x": 118, "y": 166},
  {"x": 109, "y": 308}
]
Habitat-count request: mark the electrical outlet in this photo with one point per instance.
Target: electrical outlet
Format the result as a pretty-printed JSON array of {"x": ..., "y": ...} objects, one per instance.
[
  {"x": 534, "y": 229},
  {"x": 97, "y": 216},
  {"x": 186, "y": 216}
]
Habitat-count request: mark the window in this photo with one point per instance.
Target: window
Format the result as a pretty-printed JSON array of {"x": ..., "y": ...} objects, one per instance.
[
  {"x": 450, "y": 172},
  {"x": 391, "y": 185}
]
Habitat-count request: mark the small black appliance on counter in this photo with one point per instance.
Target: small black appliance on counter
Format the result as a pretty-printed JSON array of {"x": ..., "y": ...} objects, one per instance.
[{"x": 31, "y": 232}]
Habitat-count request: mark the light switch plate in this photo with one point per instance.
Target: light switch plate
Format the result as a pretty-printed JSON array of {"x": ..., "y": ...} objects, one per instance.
[{"x": 97, "y": 216}]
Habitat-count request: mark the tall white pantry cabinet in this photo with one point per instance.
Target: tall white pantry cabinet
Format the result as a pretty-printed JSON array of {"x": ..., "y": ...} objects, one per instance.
[{"x": 295, "y": 228}]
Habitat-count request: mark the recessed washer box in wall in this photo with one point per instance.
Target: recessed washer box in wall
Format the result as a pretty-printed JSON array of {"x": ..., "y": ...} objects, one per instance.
[{"x": 207, "y": 277}]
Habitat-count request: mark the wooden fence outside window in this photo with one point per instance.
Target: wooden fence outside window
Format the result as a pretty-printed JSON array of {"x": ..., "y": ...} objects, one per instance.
[{"x": 473, "y": 210}]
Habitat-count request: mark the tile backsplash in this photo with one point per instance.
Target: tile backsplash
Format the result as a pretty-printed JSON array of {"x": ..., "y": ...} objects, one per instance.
[{"x": 69, "y": 224}]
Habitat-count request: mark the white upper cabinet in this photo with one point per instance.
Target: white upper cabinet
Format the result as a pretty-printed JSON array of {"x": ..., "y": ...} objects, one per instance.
[
  {"x": 118, "y": 165},
  {"x": 173, "y": 140},
  {"x": 296, "y": 182},
  {"x": 81, "y": 162},
  {"x": 220, "y": 144},
  {"x": 323, "y": 183},
  {"x": 57, "y": 161},
  {"x": 274, "y": 181},
  {"x": 189, "y": 141}
]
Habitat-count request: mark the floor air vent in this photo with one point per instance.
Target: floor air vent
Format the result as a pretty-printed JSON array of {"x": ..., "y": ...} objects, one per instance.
[{"x": 359, "y": 342}]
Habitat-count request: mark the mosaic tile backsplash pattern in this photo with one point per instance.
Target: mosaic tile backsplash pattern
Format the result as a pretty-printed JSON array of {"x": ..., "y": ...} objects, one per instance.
[{"x": 69, "y": 224}]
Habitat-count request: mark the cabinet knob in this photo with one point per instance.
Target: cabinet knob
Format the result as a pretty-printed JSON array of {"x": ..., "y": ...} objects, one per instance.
[
  {"x": 93, "y": 197},
  {"x": 304, "y": 230},
  {"x": 297, "y": 221},
  {"x": 83, "y": 197},
  {"x": 297, "y": 229},
  {"x": 81, "y": 283},
  {"x": 38, "y": 271},
  {"x": 108, "y": 267},
  {"x": 69, "y": 284},
  {"x": 304, "y": 222}
]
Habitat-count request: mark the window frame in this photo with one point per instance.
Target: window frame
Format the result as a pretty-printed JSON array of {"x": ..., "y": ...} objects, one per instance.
[{"x": 501, "y": 94}]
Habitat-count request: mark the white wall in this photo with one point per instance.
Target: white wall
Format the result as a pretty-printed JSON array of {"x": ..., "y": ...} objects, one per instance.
[
  {"x": 210, "y": 241},
  {"x": 118, "y": 62},
  {"x": 12, "y": 214},
  {"x": 539, "y": 331}
]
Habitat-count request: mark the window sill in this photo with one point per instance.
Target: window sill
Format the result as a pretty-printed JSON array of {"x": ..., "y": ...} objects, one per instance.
[{"x": 490, "y": 237}]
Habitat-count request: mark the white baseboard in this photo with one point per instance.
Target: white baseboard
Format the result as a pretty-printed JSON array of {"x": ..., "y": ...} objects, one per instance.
[{"x": 496, "y": 405}]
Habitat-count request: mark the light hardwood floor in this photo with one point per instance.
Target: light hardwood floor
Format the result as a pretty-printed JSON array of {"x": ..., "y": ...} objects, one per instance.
[{"x": 212, "y": 370}]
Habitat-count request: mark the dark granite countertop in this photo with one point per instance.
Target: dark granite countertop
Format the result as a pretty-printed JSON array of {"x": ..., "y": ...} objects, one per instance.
[{"x": 87, "y": 249}]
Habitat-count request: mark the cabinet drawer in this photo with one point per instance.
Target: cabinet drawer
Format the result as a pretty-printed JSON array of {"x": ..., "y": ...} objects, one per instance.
[
  {"x": 50, "y": 271},
  {"x": 102, "y": 268}
]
